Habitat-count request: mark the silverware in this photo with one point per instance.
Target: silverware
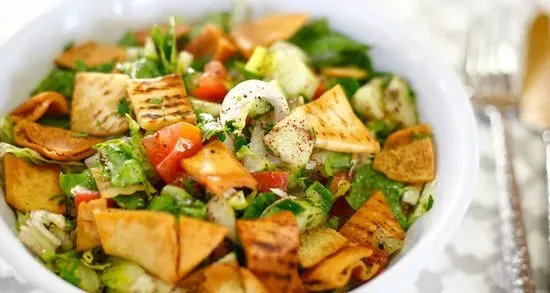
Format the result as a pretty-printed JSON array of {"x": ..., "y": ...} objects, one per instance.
[
  {"x": 535, "y": 102},
  {"x": 490, "y": 67}
]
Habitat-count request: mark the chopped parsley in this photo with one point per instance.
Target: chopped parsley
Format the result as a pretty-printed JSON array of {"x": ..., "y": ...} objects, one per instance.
[{"x": 123, "y": 107}]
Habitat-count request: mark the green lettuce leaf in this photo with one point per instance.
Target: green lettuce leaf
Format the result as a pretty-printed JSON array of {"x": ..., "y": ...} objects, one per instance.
[
  {"x": 33, "y": 156},
  {"x": 366, "y": 181},
  {"x": 57, "y": 121},
  {"x": 6, "y": 130},
  {"x": 71, "y": 180},
  {"x": 177, "y": 201},
  {"x": 128, "y": 40},
  {"x": 259, "y": 204},
  {"x": 130, "y": 202},
  {"x": 58, "y": 80}
]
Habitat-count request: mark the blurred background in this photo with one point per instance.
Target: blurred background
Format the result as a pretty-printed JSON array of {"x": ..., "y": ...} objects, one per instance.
[{"x": 472, "y": 261}]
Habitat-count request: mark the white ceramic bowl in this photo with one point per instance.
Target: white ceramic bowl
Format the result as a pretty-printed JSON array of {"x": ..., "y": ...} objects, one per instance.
[{"x": 443, "y": 104}]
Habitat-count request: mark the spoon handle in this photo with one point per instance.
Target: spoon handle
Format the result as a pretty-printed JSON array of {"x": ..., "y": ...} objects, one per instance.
[{"x": 514, "y": 239}]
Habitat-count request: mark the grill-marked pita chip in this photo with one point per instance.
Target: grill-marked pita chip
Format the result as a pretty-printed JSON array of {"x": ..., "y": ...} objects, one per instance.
[
  {"x": 197, "y": 240},
  {"x": 54, "y": 143},
  {"x": 216, "y": 278},
  {"x": 91, "y": 54},
  {"x": 410, "y": 163},
  {"x": 337, "y": 270},
  {"x": 407, "y": 135},
  {"x": 317, "y": 244},
  {"x": 267, "y": 30},
  {"x": 271, "y": 249},
  {"x": 87, "y": 236},
  {"x": 148, "y": 238},
  {"x": 374, "y": 215},
  {"x": 46, "y": 103},
  {"x": 217, "y": 168},
  {"x": 95, "y": 103},
  {"x": 30, "y": 187},
  {"x": 336, "y": 126},
  {"x": 159, "y": 102}
]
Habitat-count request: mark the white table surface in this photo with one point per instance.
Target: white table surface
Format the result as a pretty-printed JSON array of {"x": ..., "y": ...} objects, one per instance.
[{"x": 472, "y": 261}]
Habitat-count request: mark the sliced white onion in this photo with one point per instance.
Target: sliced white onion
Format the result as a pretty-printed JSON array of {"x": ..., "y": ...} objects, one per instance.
[
  {"x": 279, "y": 192},
  {"x": 237, "y": 102}
]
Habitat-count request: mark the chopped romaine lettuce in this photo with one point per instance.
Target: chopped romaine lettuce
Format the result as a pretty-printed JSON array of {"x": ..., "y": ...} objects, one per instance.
[
  {"x": 366, "y": 181},
  {"x": 6, "y": 130},
  {"x": 71, "y": 180},
  {"x": 349, "y": 85},
  {"x": 124, "y": 276},
  {"x": 130, "y": 202},
  {"x": 177, "y": 201},
  {"x": 38, "y": 234},
  {"x": 210, "y": 127},
  {"x": 259, "y": 204},
  {"x": 57, "y": 121},
  {"x": 336, "y": 161},
  {"x": 69, "y": 267}
]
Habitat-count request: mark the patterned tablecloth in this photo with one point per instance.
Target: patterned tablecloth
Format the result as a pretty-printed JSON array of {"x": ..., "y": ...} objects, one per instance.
[{"x": 472, "y": 261}]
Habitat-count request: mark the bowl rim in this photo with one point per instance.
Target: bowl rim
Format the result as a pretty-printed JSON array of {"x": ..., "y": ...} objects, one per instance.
[{"x": 27, "y": 266}]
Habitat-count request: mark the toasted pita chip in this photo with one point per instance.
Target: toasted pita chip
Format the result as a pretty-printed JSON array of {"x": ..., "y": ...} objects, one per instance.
[
  {"x": 216, "y": 278},
  {"x": 336, "y": 126},
  {"x": 317, "y": 244},
  {"x": 337, "y": 270},
  {"x": 30, "y": 187},
  {"x": 344, "y": 72},
  {"x": 141, "y": 35},
  {"x": 251, "y": 284},
  {"x": 271, "y": 249},
  {"x": 215, "y": 167},
  {"x": 145, "y": 237},
  {"x": 407, "y": 135},
  {"x": 197, "y": 240},
  {"x": 54, "y": 143},
  {"x": 211, "y": 42},
  {"x": 159, "y": 102},
  {"x": 374, "y": 216},
  {"x": 95, "y": 103},
  {"x": 267, "y": 30},
  {"x": 410, "y": 163},
  {"x": 87, "y": 236},
  {"x": 91, "y": 54},
  {"x": 46, "y": 103},
  {"x": 377, "y": 262}
]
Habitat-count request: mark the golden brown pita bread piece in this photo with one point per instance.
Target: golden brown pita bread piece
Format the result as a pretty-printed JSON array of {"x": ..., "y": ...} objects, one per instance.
[
  {"x": 344, "y": 72},
  {"x": 148, "y": 238},
  {"x": 159, "y": 102},
  {"x": 411, "y": 163},
  {"x": 87, "y": 236},
  {"x": 91, "y": 54},
  {"x": 180, "y": 30},
  {"x": 271, "y": 248},
  {"x": 374, "y": 216},
  {"x": 46, "y": 103},
  {"x": 337, "y": 270},
  {"x": 217, "y": 168},
  {"x": 407, "y": 135},
  {"x": 95, "y": 103},
  {"x": 267, "y": 30},
  {"x": 197, "y": 240},
  {"x": 251, "y": 284},
  {"x": 377, "y": 262},
  {"x": 31, "y": 187},
  {"x": 336, "y": 126},
  {"x": 317, "y": 244},
  {"x": 216, "y": 278},
  {"x": 54, "y": 143},
  {"x": 211, "y": 42}
]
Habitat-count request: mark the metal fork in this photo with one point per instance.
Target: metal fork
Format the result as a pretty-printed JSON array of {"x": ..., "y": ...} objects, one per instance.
[{"x": 491, "y": 68}]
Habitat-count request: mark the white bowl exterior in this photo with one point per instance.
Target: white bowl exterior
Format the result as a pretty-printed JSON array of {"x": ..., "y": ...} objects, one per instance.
[{"x": 27, "y": 57}]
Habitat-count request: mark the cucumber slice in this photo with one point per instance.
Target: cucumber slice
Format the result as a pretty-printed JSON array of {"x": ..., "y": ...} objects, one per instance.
[
  {"x": 291, "y": 49},
  {"x": 399, "y": 103},
  {"x": 292, "y": 74},
  {"x": 257, "y": 62},
  {"x": 368, "y": 101},
  {"x": 201, "y": 106}
]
